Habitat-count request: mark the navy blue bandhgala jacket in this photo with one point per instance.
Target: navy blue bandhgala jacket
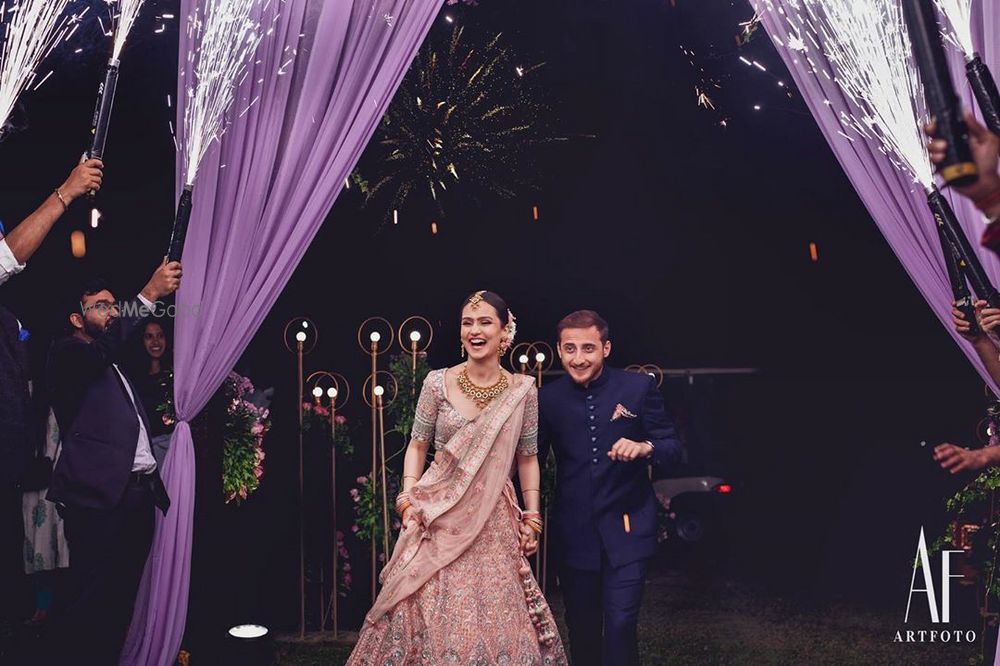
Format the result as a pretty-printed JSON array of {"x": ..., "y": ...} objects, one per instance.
[{"x": 601, "y": 503}]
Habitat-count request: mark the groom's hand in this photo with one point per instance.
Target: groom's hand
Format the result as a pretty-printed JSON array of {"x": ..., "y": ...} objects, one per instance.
[{"x": 626, "y": 450}]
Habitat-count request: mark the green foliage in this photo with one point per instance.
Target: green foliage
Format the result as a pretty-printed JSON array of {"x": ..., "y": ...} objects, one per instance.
[
  {"x": 971, "y": 504},
  {"x": 403, "y": 409}
]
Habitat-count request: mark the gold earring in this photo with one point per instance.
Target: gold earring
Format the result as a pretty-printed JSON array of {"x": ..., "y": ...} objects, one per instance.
[{"x": 461, "y": 346}]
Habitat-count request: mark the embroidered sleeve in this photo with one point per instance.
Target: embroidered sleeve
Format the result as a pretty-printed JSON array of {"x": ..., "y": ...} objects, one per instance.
[
  {"x": 427, "y": 407},
  {"x": 527, "y": 445}
]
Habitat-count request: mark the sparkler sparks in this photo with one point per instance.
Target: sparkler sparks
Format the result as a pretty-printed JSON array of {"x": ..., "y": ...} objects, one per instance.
[
  {"x": 959, "y": 15},
  {"x": 224, "y": 40},
  {"x": 869, "y": 48},
  {"x": 122, "y": 23},
  {"x": 34, "y": 29}
]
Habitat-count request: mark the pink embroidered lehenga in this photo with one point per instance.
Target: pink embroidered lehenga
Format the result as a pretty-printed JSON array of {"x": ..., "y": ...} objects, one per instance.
[{"x": 457, "y": 589}]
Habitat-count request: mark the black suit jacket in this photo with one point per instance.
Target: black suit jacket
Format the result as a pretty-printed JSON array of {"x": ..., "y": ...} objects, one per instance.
[
  {"x": 594, "y": 493},
  {"x": 16, "y": 445},
  {"x": 97, "y": 421}
]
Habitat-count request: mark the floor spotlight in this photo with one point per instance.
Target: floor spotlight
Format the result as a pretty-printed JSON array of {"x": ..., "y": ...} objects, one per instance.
[{"x": 249, "y": 645}]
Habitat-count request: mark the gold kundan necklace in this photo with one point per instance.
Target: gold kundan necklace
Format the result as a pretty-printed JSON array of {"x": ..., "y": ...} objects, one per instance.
[{"x": 481, "y": 395}]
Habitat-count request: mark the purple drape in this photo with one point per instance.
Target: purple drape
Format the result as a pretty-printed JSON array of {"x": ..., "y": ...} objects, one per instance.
[
  {"x": 321, "y": 81},
  {"x": 897, "y": 205}
]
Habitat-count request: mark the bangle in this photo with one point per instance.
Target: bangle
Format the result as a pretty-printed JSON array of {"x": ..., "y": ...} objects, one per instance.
[
  {"x": 61, "y": 200},
  {"x": 410, "y": 476},
  {"x": 531, "y": 490}
]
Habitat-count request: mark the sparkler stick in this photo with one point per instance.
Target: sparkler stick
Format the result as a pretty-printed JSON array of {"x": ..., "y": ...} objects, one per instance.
[
  {"x": 868, "y": 45},
  {"x": 984, "y": 88},
  {"x": 970, "y": 265},
  {"x": 122, "y": 23},
  {"x": 959, "y": 287},
  {"x": 942, "y": 102},
  {"x": 34, "y": 29},
  {"x": 224, "y": 40}
]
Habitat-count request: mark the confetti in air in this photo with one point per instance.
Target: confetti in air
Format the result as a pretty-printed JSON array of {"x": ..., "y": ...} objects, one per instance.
[{"x": 31, "y": 29}]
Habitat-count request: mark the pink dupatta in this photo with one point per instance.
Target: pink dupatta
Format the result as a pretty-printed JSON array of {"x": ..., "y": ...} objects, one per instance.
[{"x": 455, "y": 497}]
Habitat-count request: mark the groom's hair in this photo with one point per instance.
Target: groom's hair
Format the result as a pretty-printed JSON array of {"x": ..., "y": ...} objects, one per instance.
[{"x": 584, "y": 319}]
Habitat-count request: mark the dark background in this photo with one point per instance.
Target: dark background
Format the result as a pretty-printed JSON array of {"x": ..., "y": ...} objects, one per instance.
[{"x": 691, "y": 238}]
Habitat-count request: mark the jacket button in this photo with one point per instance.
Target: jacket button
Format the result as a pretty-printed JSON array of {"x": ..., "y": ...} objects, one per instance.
[
  {"x": 593, "y": 439},
  {"x": 595, "y": 461},
  {"x": 593, "y": 428},
  {"x": 594, "y": 450},
  {"x": 590, "y": 407},
  {"x": 591, "y": 417},
  {"x": 590, "y": 397}
]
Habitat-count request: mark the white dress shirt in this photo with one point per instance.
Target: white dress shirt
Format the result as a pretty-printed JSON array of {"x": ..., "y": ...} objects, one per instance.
[{"x": 8, "y": 262}]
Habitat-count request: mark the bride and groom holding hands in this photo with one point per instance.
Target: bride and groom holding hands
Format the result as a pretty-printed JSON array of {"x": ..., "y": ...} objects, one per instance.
[{"x": 458, "y": 587}]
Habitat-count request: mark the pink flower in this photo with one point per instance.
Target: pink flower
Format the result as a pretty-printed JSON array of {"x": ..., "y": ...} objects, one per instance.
[
  {"x": 354, "y": 528},
  {"x": 258, "y": 472},
  {"x": 340, "y": 420},
  {"x": 340, "y": 535},
  {"x": 257, "y": 428},
  {"x": 362, "y": 480},
  {"x": 307, "y": 406},
  {"x": 346, "y": 567},
  {"x": 243, "y": 492},
  {"x": 354, "y": 494}
]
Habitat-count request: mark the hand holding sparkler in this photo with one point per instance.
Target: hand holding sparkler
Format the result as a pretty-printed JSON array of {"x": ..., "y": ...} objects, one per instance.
[
  {"x": 985, "y": 147},
  {"x": 956, "y": 167},
  {"x": 86, "y": 177},
  {"x": 166, "y": 279}
]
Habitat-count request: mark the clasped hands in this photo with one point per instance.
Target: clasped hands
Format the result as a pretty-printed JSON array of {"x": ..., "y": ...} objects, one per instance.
[{"x": 627, "y": 450}]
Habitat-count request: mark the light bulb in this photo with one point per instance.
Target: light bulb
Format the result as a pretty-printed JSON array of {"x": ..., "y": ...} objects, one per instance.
[
  {"x": 331, "y": 392},
  {"x": 375, "y": 336},
  {"x": 318, "y": 392},
  {"x": 523, "y": 358},
  {"x": 379, "y": 390},
  {"x": 415, "y": 336},
  {"x": 540, "y": 357},
  {"x": 300, "y": 336}
]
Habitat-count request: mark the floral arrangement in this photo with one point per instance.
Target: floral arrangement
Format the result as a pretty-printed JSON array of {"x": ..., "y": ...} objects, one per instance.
[
  {"x": 368, "y": 510},
  {"x": 344, "y": 559},
  {"x": 974, "y": 526},
  {"x": 317, "y": 418},
  {"x": 166, "y": 408},
  {"x": 243, "y": 440}
]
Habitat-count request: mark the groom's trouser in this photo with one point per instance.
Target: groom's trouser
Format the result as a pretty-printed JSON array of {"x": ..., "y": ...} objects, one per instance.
[{"x": 602, "y": 611}]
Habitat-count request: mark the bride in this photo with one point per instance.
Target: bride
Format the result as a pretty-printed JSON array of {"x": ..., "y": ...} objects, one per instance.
[{"x": 458, "y": 588}]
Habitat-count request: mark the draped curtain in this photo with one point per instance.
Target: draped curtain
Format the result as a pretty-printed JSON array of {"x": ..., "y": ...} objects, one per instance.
[
  {"x": 318, "y": 86},
  {"x": 897, "y": 205}
]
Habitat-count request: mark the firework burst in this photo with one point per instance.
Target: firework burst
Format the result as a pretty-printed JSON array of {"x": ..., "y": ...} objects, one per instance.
[{"x": 462, "y": 125}]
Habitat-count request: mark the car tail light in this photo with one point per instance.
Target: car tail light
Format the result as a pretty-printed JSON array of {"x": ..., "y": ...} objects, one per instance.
[{"x": 724, "y": 488}]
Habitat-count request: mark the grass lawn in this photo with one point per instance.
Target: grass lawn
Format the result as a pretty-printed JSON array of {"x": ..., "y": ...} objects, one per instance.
[{"x": 721, "y": 623}]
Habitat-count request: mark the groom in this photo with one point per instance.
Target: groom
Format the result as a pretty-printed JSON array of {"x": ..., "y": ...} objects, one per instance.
[{"x": 605, "y": 426}]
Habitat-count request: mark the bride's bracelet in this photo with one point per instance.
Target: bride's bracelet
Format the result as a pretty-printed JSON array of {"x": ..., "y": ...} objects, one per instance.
[
  {"x": 533, "y": 520},
  {"x": 403, "y": 503}
]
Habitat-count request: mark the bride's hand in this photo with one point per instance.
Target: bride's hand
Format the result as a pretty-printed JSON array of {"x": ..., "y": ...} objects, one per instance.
[
  {"x": 407, "y": 517},
  {"x": 529, "y": 541}
]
